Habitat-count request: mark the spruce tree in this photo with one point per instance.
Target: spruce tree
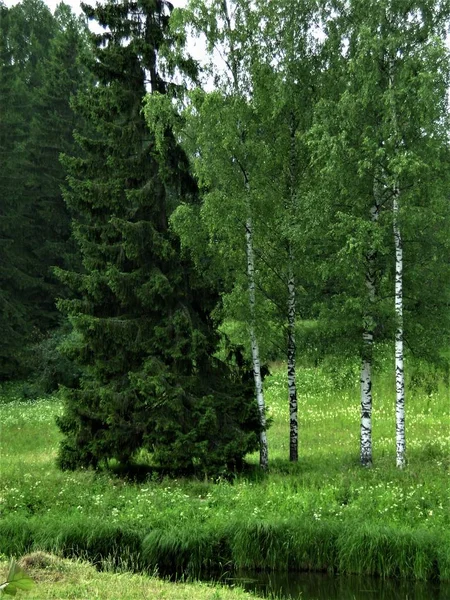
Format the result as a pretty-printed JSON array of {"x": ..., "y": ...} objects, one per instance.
[{"x": 141, "y": 313}]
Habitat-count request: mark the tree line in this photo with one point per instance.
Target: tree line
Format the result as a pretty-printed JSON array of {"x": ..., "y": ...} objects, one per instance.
[{"x": 295, "y": 182}]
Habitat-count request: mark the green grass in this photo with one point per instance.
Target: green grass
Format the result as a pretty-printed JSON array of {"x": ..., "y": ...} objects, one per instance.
[
  {"x": 63, "y": 579},
  {"x": 324, "y": 513}
]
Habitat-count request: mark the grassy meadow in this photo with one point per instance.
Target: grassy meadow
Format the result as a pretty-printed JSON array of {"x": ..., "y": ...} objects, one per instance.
[{"x": 324, "y": 513}]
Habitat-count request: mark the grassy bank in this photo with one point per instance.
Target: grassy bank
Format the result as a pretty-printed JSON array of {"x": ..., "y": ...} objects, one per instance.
[
  {"x": 63, "y": 579},
  {"x": 323, "y": 513}
]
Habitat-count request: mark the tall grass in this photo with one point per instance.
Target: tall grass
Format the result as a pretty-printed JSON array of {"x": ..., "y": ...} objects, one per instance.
[{"x": 324, "y": 513}]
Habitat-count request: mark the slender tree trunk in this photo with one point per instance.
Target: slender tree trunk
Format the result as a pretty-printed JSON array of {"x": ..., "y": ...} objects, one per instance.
[
  {"x": 263, "y": 446},
  {"x": 367, "y": 352},
  {"x": 291, "y": 302},
  {"x": 366, "y": 401},
  {"x": 400, "y": 436},
  {"x": 399, "y": 368},
  {"x": 291, "y": 356}
]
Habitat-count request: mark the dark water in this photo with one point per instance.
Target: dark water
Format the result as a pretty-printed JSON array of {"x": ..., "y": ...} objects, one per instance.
[{"x": 319, "y": 586}]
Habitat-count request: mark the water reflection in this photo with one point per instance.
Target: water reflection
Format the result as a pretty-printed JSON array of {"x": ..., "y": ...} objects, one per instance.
[{"x": 319, "y": 586}]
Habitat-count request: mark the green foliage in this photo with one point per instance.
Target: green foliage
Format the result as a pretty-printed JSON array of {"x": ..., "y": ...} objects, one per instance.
[
  {"x": 25, "y": 29},
  {"x": 429, "y": 377},
  {"x": 16, "y": 580},
  {"x": 382, "y": 119},
  {"x": 272, "y": 342}
]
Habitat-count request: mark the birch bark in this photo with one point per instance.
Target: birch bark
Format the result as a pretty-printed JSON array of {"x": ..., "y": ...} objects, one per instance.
[
  {"x": 400, "y": 433},
  {"x": 263, "y": 445},
  {"x": 366, "y": 402},
  {"x": 366, "y": 366},
  {"x": 291, "y": 352}
]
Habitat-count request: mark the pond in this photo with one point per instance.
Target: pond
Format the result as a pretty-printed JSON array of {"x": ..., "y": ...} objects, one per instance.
[{"x": 320, "y": 586}]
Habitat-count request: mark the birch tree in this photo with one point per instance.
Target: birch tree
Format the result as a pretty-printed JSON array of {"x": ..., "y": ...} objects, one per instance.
[
  {"x": 398, "y": 297},
  {"x": 415, "y": 53},
  {"x": 290, "y": 53},
  {"x": 348, "y": 215},
  {"x": 386, "y": 137}
]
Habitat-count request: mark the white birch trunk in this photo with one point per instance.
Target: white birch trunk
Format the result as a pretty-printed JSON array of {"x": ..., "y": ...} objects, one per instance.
[
  {"x": 400, "y": 434},
  {"x": 263, "y": 446},
  {"x": 291, "y": 352},
  {"x": 366, "y": 366},
  {"x": 399, "y": 368},
  {"x": 366, "y": 402}
]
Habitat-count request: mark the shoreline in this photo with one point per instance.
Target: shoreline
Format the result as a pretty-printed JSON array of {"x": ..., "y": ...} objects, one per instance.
[{"x": 278, "y": 546}]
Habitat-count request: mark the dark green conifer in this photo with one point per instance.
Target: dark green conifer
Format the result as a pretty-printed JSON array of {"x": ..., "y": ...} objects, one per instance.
[
  {"x": 25, "y": 35},
  {"x": 145, "y": 337},
  {"x": 51, "y": 133}
]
